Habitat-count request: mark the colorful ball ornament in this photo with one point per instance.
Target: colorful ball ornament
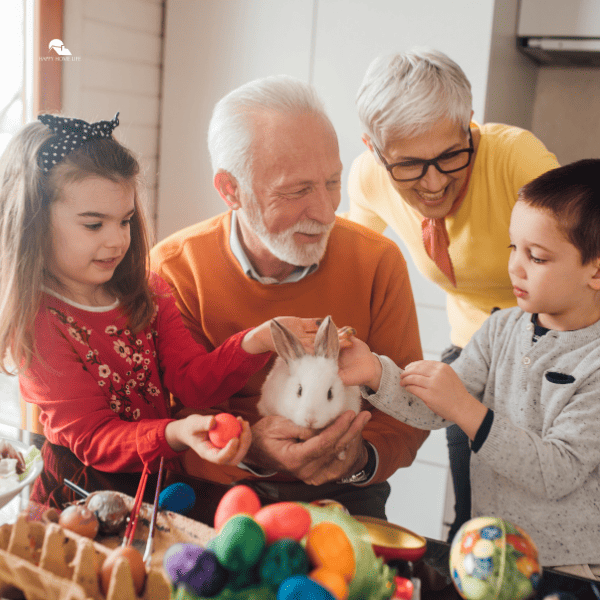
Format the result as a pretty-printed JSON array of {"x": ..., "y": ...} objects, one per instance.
[{"x": 492, "y": 559}]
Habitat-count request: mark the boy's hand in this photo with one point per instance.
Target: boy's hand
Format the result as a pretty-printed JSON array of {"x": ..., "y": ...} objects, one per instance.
[
  {"x": 443, "y": 392},
  {"x": 358, "y": 365},
  {"x": 192, "y": 432}
]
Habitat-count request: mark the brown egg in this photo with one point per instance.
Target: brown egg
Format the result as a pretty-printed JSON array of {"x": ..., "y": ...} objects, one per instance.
[
  {"x": 136, "y": 564},
  {"x": 79, "y": 519}
]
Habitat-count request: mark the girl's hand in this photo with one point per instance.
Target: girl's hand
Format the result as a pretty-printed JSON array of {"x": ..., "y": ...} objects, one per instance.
[
  {"x": 358, "y": 365},
  {"x": 259, "y": 340},
  {"x": 440, "y": 388},
  {"x": 192, "y": 432}
]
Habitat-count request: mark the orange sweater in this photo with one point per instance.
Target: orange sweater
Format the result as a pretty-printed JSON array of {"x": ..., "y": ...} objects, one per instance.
[{"x": 362, "y": 281}]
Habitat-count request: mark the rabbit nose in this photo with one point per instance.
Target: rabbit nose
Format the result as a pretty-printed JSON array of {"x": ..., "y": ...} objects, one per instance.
[{"x": 310, "y": 422}]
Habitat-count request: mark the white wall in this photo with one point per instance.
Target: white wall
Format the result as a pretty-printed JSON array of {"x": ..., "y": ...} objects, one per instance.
[
  {"x": 120, "y": 44},
  {"x": 565, "y": 112}
]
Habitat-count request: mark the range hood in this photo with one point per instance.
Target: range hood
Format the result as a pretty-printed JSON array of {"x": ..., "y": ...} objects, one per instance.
[{"x": 560, "y": 32}]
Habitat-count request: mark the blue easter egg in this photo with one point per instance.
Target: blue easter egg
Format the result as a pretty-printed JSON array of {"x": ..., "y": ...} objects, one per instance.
[
  {"x": 179, "y": 498},
  {"x": 300, "y": 587}
]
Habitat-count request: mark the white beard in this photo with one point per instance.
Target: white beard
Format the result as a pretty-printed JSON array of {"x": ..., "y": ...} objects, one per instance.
[{"x": 283, "y": 245}]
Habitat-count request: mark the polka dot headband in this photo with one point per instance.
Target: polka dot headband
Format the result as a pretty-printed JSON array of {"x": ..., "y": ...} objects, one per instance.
[{"x": 70, "y": 135}]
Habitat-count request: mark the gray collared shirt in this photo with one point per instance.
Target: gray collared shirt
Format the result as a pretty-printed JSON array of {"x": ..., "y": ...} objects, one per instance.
[{"x": 236, "y": 247}]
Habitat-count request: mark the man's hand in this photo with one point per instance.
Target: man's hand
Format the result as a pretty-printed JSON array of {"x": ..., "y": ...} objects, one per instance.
[{"x": 313, "y": 457}]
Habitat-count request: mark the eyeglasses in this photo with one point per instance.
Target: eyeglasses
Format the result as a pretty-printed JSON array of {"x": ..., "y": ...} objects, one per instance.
[{"x": 411, "y": 170}]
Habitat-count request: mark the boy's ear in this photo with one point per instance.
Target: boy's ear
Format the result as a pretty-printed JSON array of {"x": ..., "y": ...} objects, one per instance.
[
  {"x": 595, "y": 279},
  {"x": 227, "y": 186}
]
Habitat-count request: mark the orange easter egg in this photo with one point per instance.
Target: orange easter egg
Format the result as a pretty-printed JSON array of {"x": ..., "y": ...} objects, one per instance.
[
  {"x": 332, "y": 581},
  {"x": 227, "y": 428},
  {"x": 284, "y": 520},
  {"x": 328, "y": 546},
  {"x": 239, "y": 499}
]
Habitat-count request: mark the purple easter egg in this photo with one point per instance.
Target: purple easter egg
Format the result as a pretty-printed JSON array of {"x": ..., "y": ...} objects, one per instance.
[{"x": 195, "y": 568}]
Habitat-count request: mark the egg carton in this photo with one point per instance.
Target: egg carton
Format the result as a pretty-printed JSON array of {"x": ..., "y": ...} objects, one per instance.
[{"x": 44, "y": 561}]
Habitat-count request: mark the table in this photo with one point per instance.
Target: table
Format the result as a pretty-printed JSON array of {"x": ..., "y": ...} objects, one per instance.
[{"x": 60, "y": 463}]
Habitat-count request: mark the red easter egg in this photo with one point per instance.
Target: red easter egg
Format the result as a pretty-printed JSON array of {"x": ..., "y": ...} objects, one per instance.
[
  {"x": 284, "y": 520},
  {"x": 239, "y": 499},
  {"x": 227, "y": 428}
]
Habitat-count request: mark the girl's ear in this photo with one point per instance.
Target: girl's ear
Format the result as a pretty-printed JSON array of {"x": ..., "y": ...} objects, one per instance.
[{"x": 226, "y": 184}]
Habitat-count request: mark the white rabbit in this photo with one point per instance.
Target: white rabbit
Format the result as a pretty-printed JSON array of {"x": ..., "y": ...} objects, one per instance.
[{"x": 306, "y": 388}]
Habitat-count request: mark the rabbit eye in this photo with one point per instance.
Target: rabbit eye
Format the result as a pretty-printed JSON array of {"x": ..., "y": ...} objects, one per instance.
[
  {"x": 329, "y": 394},
  {"x": 299, "y": 390}
]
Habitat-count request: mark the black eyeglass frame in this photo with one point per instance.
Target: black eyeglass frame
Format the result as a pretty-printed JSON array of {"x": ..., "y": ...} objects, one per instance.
[{"x": 427, "y": 163}]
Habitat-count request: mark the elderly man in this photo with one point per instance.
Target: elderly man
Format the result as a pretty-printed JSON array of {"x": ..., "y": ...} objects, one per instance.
[{"x": 281, "y": 250}]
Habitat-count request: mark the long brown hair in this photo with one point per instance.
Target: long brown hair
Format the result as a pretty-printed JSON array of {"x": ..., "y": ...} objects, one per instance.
[{"x": 26, "y": 194}]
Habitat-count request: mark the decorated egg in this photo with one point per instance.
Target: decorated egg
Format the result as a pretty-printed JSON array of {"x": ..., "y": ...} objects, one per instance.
[
  {"x": 109, "y": 508},
  {"x": 328, "y": 546},
  {"x": 281, "y": 560},
  {"x": 332, "y": 581},
  {"x": 227, "y": 428},
  {"x": 300, "y": 587},
  {"x": 372, "y": 578},
  {"x": 240, "y": 499},
  {"x": 178, "y": 497},
  {"x": 284, "y": 520},
  {"x": 240, "y": 543},
  {"x": 492, "y": 559},
  {"x": 195, "y": 568}
]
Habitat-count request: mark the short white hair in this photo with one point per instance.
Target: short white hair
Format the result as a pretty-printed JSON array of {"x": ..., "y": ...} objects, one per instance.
[
  {"x": 405, "y": 94},
  {"x": 231, "y": 131}
]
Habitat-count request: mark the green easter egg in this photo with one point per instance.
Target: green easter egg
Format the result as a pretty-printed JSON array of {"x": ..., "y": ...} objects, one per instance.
[
  {"x": 282, "y": 559},
  {"x": 240, "y": 544}
]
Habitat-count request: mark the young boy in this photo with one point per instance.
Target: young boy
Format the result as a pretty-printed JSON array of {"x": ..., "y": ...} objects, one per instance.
[{"x": 526, "y": 389}]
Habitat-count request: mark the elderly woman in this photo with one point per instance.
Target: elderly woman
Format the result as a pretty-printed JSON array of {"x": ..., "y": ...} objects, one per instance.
[{"x": 446, "y": 185}]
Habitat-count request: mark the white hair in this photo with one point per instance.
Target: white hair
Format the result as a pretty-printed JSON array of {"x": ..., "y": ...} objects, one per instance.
[
  {"x": 406, "y": 94},
  {"x": 231, "y": 132}
]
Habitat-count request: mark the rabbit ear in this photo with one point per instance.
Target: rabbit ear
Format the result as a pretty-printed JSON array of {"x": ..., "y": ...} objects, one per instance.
[
  {"x": 327, "y": 343},
  {"x": 288, "y": 346}
]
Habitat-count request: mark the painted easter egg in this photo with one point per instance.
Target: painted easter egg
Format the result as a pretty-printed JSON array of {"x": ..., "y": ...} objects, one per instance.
[
  {"x": 240, "y": 499},
  {"x": 284, "y": 520},
  {"x": 227, "y": 428},
  {"x": 240, "y": 543},
  {"x": 300, "y": 587},
  {"x": 195, "y": 568},
  {"x": 327, "y": 545},
  {"x": 178, "y": 497},
  {"x": 332, "y": 581},
  {"x": 493, "y": 559},
  {"x": 281, "y": 560}
]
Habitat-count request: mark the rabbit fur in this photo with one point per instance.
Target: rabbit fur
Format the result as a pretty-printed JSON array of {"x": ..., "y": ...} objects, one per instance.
[{"x": 306, "y": 388}]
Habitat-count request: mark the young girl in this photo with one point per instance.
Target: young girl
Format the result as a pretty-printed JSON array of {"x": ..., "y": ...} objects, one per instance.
[
  {"x": 526, "y": 388},
  {"x": 98, "y": 341}
]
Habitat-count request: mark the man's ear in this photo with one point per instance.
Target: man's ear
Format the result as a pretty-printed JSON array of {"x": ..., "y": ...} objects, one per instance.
[
  {"x": 227, "y": 186},
  {"x": 367, "y": 142}
]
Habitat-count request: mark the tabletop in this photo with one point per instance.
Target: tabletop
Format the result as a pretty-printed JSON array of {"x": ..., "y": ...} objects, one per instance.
[{"x": 60, "y": 463}]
